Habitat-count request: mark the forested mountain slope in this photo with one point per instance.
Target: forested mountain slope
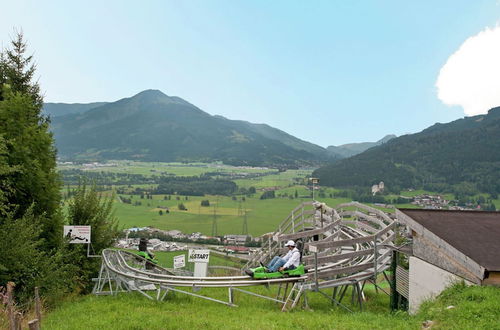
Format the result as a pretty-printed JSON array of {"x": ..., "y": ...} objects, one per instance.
[
  {"x": 465, "y": 150},
  {"x": 152, "y": 126},
  {"x": 61, "y": 109}
]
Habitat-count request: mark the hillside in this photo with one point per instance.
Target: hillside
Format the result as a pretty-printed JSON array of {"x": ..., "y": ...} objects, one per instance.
[
  {"x": 351, "y": 149},
  {"x": 152, "y": 126},
  {"x": 465, "y": 150},
  {"x": 473, "y": 308}
]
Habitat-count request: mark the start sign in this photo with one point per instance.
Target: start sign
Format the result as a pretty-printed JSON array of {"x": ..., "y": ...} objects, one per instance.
[{"x": 199, "y": 256}]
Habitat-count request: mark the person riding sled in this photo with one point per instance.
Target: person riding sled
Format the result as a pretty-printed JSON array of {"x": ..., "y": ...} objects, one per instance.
[
  {"x": 290, "y": 261},
  {"x": 143, "y": 252}
]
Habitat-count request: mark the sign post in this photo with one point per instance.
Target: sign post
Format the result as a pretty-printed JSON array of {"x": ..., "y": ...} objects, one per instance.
[
  {"x": 179, "y": 261},
  {"x": 200, "y": 259},
  {"x": 77, "y": 234}
]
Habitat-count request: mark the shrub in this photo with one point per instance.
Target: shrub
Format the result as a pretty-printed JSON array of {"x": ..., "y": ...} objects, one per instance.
[
  {"x": 89, "y": 208},
  {"x": 268, "y": 195},
  {"x": 27, "y": 265}
]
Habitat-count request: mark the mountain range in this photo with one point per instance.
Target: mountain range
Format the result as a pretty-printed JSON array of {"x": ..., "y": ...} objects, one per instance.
[
  {"x": 351, "y": 149},
  {"x": 152, "y": 126},
  {"x": 465, "y": 152}
]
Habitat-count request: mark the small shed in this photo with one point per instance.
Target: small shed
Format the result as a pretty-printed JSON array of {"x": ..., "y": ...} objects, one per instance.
[{"x": 450, "y": 246}]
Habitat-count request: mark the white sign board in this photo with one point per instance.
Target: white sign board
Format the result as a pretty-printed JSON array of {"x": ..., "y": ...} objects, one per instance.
[
  {"x": 179, "y": 261},
  {"x": 77, "y": 234},
  {"x": 313, "y": 248},
  {"x": 199, "y": 256}
]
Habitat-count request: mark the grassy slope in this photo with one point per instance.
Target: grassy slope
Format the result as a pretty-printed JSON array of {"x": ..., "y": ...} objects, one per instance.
[{"x": 475, "y": 308}]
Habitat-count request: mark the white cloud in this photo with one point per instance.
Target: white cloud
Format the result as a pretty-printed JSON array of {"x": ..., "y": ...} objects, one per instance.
[{"x": 471, "y": 76}]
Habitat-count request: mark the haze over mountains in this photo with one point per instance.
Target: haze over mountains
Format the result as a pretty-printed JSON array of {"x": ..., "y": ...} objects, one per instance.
[
  {"x": 464, "y": 152},
  {"x": 152, "y": 126},
  {"x": 351, "y": 149}
]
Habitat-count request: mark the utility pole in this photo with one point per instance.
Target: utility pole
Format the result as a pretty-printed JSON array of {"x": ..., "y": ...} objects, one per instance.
[
  {"x": 313, "y": 181},
  {"x": 214, "y": 221},
  {"x": 245, "y": 224},
  {"x": 240, "y": 210}
]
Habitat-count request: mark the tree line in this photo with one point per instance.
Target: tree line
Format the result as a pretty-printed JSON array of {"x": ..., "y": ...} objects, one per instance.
[{"x": 195, "y": 186}]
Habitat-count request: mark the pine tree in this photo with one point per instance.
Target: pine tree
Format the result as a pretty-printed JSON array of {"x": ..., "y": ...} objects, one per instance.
[
  {"x": 28, "y": 144},
  {"x": 19, "y": 70},
  {"x": 6, "y": 171},
  {"x": 30, "y": 216}
]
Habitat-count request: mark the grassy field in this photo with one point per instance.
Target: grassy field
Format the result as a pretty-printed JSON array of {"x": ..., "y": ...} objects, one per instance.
[
  {"x": 474, "y": 308},
  {"x": 158, "y": 168},
  {"x": 165, "y": 259},
  {"x": 262, "y": 215},
  {"x": 282, "y": 179}
]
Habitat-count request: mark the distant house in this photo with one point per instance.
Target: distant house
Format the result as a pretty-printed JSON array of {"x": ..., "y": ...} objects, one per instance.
[
  {"x": 450, "y": 246},
  {"x": 237, "y": 249},
  {"x": 235, "y": 239},
  {"x": 378, "y": 187},
  {"x": 194, "y": 236},
  {"x": 175, "y": 233}
]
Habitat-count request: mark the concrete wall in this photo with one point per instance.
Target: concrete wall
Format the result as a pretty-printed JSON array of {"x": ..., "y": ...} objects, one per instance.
[{"x": 427, "y": 281}]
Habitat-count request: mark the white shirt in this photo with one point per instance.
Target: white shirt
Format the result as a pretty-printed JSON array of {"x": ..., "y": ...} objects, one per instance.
[{"x": 292, "y": 258}]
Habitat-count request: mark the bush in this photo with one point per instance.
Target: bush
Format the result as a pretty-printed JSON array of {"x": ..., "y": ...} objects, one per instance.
[
  {"x": 182, "y": 207},
  {"x": 205, "y": 202},
  {"x": 27, "y": 265},
  {"x": 268, "y": 195},
  {"x": 89, "y": 208}
]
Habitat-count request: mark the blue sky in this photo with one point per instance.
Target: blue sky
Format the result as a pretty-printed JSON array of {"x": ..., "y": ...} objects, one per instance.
[{"x": 329, "y": 72}]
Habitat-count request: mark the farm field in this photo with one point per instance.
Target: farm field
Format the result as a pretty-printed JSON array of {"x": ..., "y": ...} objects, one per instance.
[
  {"x": 262, "y": 215},
  {"x": 158, "y": 168}
]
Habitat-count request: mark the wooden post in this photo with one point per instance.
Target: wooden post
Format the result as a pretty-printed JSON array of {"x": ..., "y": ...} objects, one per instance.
[
  {"x": 375, "y": 260},
  {"x": 394, "y": 293},
  {"x": 316, "y": 271},
  {"x": 38, "y": 306},
  {"x": 302, "y": 214},
  {"x": 19, "y": 318},
  {"x": 10, "y": 306},
  {"x": 34, "y": 324}
]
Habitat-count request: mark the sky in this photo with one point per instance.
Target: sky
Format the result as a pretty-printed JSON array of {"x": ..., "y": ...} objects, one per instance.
[{"x": 328, "y": 72}]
